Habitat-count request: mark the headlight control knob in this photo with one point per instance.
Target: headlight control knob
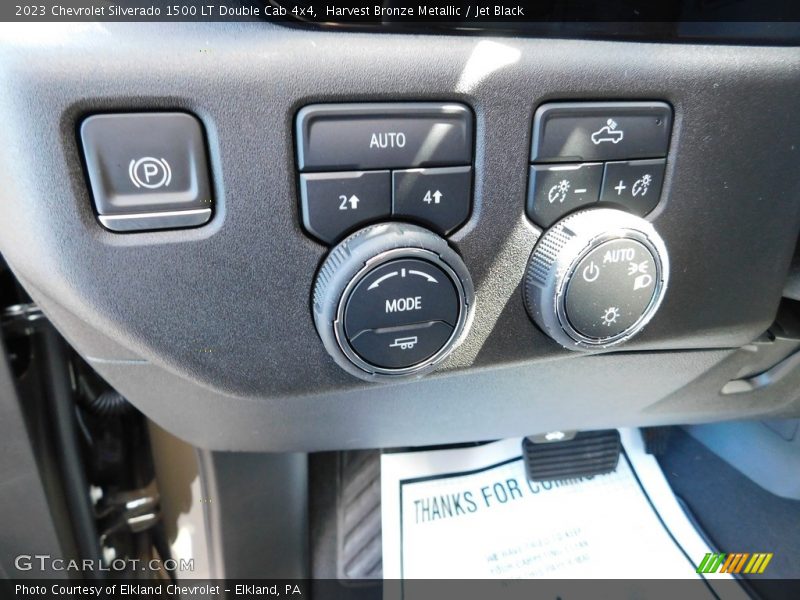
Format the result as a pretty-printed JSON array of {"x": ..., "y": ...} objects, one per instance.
[
  {"x": 392, "y": 300},
  {"x": 596, "y": 278}
]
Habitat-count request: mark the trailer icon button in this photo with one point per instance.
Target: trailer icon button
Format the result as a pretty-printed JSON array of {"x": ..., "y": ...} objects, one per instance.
[
  {"x": 405, "y": 343},
  {"x": 401, "y": 347}
]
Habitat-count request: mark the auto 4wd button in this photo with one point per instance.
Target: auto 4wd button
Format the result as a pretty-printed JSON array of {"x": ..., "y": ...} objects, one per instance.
[
  {"x": 400, "y": 293},
  {"x": 591, "y": 131},
  {"x": 401, "y": 347},
  {"x": 381, "y": 136}
]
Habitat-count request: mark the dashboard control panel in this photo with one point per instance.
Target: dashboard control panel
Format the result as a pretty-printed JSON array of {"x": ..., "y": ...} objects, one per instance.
[
  {"x": 384, "y": 183},
  {"x": 392, "y": 300},
  {"x": 222, "y": 319},
  {"x": 589, "y": 152},
  {"x": 361, "y": 163}
]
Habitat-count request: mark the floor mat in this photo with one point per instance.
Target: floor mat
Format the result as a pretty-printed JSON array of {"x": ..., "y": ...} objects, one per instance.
[{"x": 736, "y": 514}]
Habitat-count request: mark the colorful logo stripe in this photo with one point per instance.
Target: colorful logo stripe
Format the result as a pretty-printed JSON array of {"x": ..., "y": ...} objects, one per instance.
[{"x": 735, "y": 562}]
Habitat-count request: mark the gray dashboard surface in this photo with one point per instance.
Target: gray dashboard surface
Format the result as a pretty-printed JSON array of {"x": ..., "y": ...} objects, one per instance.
[{"x": 210, "y": 331}]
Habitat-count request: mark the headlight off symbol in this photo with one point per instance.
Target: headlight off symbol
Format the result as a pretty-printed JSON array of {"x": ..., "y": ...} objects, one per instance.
[{"x": 151, "y": 173}]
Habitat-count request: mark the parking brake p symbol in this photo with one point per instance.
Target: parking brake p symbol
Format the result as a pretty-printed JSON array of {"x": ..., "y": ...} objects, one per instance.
[{"x": 151, "y": 173}]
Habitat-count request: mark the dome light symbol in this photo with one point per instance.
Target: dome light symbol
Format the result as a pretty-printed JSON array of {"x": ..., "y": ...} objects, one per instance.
[
  {"x": 610, "y": 316},
  {"x": 641, "y": 185},
  {"x": 558, "y": 192}
]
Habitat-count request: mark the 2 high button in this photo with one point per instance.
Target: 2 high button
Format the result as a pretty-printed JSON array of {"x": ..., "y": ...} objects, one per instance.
[{"x": 362, "y": 163}]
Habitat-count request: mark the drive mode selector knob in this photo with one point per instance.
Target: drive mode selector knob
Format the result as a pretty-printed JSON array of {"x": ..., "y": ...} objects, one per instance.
[
  {"x": 392, "y": 300},
  {"x": 596, "y": 278}
]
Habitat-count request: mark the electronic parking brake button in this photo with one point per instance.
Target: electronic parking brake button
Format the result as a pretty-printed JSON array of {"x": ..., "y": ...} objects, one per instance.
[
  {"x": 147, "y": 170},
  {"x": 400, "y": 347},
  {"x": 400, "y": 293}
]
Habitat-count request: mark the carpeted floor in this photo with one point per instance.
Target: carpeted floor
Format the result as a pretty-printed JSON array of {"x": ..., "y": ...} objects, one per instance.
[{"x": 736, "y": 514}]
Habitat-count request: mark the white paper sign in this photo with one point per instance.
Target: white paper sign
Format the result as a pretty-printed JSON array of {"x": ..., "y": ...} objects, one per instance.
[{"x": 472, "y": 513}]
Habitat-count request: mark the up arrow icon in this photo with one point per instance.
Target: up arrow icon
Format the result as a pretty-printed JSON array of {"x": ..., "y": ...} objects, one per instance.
[{"x": 437, "y": 196}]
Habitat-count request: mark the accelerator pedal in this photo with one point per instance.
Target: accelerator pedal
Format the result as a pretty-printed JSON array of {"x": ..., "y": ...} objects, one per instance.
[{"x": 566, "y": 454}]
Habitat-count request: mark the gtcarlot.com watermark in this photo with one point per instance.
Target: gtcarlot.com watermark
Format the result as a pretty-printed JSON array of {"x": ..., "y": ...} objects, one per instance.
[{"x": 48, "y": 563}]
